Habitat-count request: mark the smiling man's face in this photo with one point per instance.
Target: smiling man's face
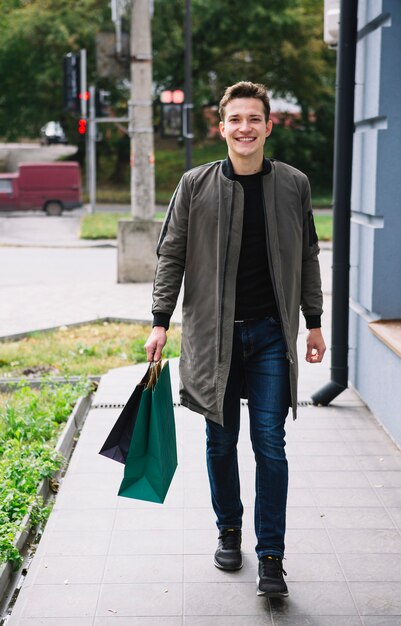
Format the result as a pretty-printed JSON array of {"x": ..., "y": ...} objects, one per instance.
[{"x": 245, "y": 129}]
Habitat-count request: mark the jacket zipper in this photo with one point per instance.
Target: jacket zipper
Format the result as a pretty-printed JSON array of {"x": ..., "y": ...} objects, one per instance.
[
  {"x": 273, "y": 277},
  {"x": 225, "y": 271}
]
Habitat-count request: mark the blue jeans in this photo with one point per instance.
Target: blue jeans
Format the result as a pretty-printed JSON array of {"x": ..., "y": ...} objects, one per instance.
[{"x": 259, "y": 360}]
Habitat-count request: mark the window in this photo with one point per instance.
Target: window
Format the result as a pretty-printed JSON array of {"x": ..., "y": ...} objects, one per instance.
[{"x": 5, "y": 185}]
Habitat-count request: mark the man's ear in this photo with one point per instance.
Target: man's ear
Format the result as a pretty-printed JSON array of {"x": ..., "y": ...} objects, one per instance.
[
  {"x": 221, "y": 129},
  {"x": 269, "y": 128}
]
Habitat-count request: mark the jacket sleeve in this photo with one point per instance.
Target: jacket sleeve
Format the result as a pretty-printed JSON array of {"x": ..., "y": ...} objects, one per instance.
[
  {"x": 311, "y": 287},
  {"x": 171, "y": 253}
]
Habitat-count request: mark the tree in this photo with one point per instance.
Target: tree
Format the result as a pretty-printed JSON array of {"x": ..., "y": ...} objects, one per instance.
[
  {"x": 277, "y": 42},
  {"x": 34, "y": 37}
]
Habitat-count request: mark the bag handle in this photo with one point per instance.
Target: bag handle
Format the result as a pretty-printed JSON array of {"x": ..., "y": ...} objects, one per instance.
[{"x": 154, "y": 372}]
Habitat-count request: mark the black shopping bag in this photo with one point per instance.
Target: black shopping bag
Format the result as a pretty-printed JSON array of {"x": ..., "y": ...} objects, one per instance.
[
  {"x": 152, "y": 457},
  {"x": 118, "y": 442}
]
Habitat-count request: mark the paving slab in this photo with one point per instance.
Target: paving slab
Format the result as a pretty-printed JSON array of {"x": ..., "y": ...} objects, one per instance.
[{"x": 106, "y": 560}]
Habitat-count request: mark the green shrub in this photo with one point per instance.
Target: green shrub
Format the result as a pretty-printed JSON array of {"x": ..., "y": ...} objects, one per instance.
[{"x": 30, "y": 423}]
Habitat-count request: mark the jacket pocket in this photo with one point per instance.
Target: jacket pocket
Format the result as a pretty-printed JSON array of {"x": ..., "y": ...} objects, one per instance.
[{"x": 313, "y": 238}]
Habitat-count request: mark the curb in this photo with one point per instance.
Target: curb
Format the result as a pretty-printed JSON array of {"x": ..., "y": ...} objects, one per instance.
[
  {"x": 8, "y": 384},
  {"x": 64, "y": 446},
  {"x": 97, "y": 320},
  {"x": 108, "y": 243}
]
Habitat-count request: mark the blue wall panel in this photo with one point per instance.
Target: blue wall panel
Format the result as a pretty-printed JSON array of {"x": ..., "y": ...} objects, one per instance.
[{"x": 375, "y": 275}]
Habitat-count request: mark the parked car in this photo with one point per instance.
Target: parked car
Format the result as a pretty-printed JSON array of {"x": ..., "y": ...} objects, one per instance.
[
  {"x": 52, "y": 132},
  {"x": 51, "y": 187}
]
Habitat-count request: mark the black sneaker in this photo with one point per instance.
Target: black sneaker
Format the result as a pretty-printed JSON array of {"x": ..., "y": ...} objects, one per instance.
[
  {"x": 228, "y": 554},
  {"x": 270, "y": 579}
]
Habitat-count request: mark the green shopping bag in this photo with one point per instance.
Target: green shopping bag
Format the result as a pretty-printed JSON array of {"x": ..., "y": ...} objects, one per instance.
[{"x": 152, "y": 455}]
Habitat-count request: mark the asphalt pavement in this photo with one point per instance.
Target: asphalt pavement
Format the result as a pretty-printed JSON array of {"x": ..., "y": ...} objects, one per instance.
[{"x": 49, "y": 277}]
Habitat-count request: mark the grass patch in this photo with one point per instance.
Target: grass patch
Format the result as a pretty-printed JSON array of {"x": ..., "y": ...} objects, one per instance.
[
  {"x": 169, "y": 167},
  {"x": 30, "y": 424},
  {"x": 324, "y": 227},
  {"x": 104, "y": 225},
  {"x": 90, "y": 349},
  {"x": 101, "y": 225}
]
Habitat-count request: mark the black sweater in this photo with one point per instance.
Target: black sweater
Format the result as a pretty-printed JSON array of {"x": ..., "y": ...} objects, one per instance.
[{"x": 254, "y": 292}]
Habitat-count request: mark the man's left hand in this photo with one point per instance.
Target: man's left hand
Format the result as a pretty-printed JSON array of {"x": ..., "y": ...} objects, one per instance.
[{"x": 315, "y": 346}]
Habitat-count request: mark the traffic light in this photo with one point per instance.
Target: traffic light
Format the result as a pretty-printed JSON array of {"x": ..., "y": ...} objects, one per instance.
[
  {"x": 84, "y": 95},
  {"x": 72, "y": 82},
  {"x": 75, "y": 95},
  {"x": 82, "y": 126},
  {"x": 172, "y": 102},
  {"x": 172, "y": 97},
  {"x": 102, "y": 102}
]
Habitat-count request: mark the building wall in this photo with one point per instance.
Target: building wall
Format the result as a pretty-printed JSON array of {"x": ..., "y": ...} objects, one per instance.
[{"x": 375, "y": 276}]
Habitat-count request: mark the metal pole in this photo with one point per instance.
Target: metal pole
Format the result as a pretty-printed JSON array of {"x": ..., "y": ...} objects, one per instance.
[
  {"x": 188, "y": 106},
  {"x": 342, "y": 174},
  {"x": 84, "y": 110},
  {"x": 92, "y": 149},
  {"x": 83, "y": 85},
  {"x": 115, "y": 17},
  {"x": 141, "y": 114}
]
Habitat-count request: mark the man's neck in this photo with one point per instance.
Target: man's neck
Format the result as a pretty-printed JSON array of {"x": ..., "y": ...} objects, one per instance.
[{"x": 247, "y": 166}]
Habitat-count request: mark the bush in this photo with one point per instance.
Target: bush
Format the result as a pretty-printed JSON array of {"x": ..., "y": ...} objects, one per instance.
[{"x": 30, "y": 423}]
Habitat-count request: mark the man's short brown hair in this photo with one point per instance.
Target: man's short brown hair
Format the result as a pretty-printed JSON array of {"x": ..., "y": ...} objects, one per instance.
[{"x": 245, "y": 89}]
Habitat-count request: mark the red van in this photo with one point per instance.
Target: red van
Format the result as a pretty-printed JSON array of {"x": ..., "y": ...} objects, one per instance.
[{"x": 50, "y": 187}]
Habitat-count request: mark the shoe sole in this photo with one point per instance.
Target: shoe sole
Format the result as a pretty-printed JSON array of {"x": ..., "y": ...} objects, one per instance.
[
  {"x": 225, "y": 568},
  {"x": 273, "y": 594}
]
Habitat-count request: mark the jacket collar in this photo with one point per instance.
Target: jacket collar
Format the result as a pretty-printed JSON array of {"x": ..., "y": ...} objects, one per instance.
[{"x": 228, "y": 170}]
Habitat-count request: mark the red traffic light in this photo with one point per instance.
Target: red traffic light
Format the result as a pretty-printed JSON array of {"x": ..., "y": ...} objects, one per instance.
[
  {"x": 82, "y": 126},
  {"x": 172, "y": 97},
  {"x": 84, "y": 95}
]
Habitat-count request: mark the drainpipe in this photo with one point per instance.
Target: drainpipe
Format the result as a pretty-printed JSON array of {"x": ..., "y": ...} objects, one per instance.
[{"x": 342, "y": 178}]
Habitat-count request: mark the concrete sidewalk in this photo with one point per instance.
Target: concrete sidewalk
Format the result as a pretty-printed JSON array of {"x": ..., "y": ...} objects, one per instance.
[{"x": 105, "y": 560}]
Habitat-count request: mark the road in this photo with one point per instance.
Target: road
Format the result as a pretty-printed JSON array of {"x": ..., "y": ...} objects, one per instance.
[
  {"x": 37, "y": 229},
  {"x": 48, "y": 277}
]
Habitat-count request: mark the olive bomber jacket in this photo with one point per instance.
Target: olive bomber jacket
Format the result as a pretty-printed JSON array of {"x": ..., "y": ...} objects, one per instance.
[{"x": 200, "y": 243}]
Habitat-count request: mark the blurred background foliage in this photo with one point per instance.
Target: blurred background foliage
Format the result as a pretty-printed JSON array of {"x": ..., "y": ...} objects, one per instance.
[{"x": 277, "y": 42}]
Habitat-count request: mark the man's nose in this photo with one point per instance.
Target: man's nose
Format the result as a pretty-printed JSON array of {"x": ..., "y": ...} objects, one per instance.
[{"x": 244, "y": 126}]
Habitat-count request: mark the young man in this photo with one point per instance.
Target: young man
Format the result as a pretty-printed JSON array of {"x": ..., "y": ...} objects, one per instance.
[{"x": 241, "y": 232}]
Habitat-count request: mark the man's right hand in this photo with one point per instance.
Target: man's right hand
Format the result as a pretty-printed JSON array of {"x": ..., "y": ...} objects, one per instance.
[{"x": 155, "y": 343}]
